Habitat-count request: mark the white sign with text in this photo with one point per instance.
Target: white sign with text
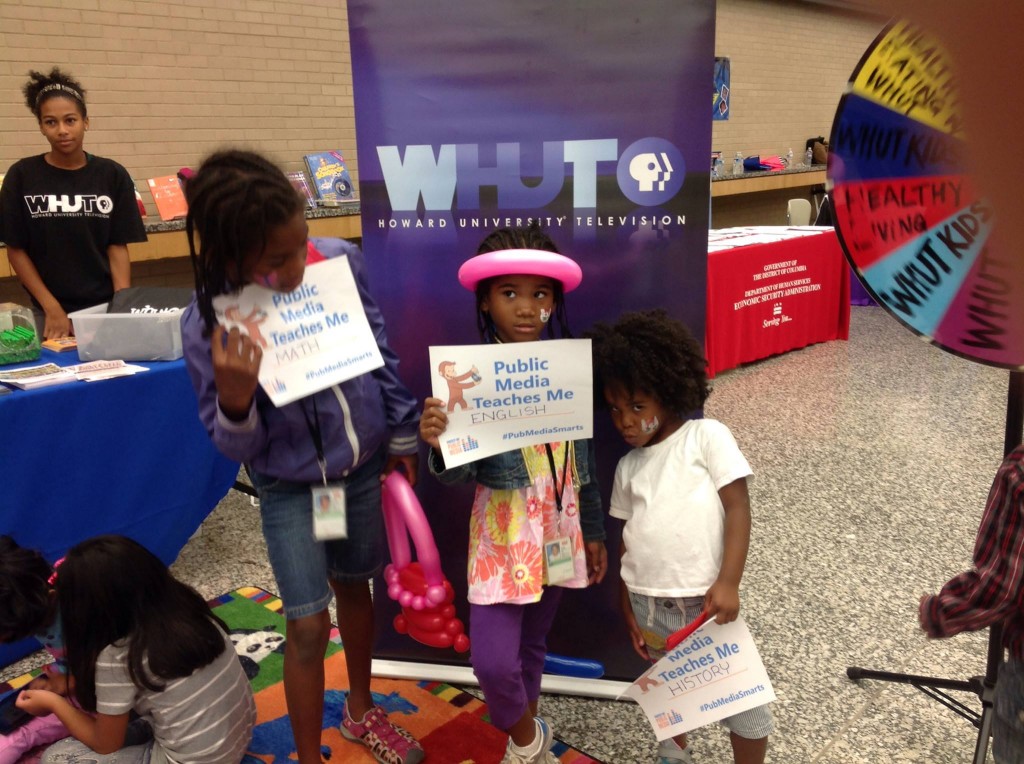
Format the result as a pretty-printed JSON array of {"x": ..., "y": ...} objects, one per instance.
[
  {"x": 504, "y": 397},
  {"x": 312, "y": 337},
  {"x": 713, "y": 674}
]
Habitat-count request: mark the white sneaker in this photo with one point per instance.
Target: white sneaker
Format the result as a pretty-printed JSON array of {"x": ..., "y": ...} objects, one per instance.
[
  {"x": 538, "y": 751},
  {"x": 669, "y": 752}
]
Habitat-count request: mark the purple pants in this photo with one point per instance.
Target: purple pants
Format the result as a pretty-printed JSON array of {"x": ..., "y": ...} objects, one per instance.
[{"x": 509, "y": 643}]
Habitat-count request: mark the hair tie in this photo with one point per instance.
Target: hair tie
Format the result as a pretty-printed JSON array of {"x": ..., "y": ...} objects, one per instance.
[
  {"x": 53, "y": 576},
  {"x": 58, "y": 86}
]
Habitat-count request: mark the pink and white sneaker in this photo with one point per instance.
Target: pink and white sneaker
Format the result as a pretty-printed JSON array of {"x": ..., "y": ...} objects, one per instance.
[{"x": 388, "y": 743}]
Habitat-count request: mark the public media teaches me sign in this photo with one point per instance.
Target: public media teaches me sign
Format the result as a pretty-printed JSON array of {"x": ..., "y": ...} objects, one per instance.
[
  {"x": 504, "y": 397},
  {"x": 312, "y": 337},
  {"x": 714, "y": 674}
]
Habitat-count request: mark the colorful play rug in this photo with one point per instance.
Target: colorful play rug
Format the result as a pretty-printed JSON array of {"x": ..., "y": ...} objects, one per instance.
[{"x": 452, "y": 725}]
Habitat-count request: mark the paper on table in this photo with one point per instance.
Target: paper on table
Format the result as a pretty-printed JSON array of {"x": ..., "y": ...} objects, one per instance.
[
  {"x": 97, "y": 370},
  {"x": 31, "y": 377}
]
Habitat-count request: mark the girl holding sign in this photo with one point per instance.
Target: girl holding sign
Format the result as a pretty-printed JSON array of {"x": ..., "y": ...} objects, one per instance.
[
  {"x": 536, "y": 522},
  {"x": 334, "y": 444},
  {"x": 682, "y": 492}
]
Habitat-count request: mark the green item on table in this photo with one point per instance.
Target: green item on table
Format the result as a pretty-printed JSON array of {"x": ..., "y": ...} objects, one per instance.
[{"x": 17, "y": 344}]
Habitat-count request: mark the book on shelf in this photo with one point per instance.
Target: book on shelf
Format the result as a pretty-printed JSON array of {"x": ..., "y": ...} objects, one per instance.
[
  {"x": 331, "y": 180},
  {"x": 60, "y": 344},
  {"x": 168, "y": 197},
  {"x": 301, "y": 184}
]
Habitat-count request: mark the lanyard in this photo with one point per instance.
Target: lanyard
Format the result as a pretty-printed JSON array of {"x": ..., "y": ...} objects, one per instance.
[
  {"x": 318, "y": 442},
  {"x": 559, "y": 492}
]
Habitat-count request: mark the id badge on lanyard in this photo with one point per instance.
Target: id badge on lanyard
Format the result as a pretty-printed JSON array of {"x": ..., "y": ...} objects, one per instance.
[
  {"x": 328, "y": 500},
  {"x": 329, "y": 512},
  {"x": 558, "y": 560},
  {"x": 558, "y": 551}
]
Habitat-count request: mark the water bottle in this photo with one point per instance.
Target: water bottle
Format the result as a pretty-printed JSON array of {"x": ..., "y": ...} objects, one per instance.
[
  {"x": 789, "y": 159},
  {"x": 737, "y": 164},
  {"x": 719, "y": 167},
  {"x": 808, "y": 157}
]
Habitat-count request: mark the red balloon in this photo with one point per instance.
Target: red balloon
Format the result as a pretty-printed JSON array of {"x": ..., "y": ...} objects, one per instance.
[
  {"x": 432, "y": 639},
  {"x": 425, "y": 620},
  {"x": 400, "y": 624}
]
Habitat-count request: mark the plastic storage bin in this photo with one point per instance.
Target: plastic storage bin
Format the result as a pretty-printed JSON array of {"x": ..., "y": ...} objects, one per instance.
[
  {"x": 106, "y": 336},
  {"x": 19, "y": 340}
]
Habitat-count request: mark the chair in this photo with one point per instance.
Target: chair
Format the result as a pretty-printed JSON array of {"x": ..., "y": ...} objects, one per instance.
[{"x": 798, "y": 212}]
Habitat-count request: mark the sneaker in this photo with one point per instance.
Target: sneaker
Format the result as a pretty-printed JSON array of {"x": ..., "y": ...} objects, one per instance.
[
  {"x": 670, "y": 753},
  {"x": 538, "y": 752},
  {"x": 388, "y": 743}
]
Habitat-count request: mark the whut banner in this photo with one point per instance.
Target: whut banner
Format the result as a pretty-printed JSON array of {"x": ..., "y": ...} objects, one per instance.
[
  {"x": 505, "y": 397},
  {"x": 589, "y": 119},
  {"x": 714, "y": 674},
  {"x": 312, "y": 337}
]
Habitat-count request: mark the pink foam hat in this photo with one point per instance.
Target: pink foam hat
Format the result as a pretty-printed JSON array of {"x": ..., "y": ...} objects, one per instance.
[{"x": 532, "y": 262}]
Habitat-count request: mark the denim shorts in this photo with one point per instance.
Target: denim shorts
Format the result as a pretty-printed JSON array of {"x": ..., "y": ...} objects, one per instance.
[
  {"x": 658, "y": 618},
  {"x": 1008, "y": 719},
  {"x": 302, "y": 565}
]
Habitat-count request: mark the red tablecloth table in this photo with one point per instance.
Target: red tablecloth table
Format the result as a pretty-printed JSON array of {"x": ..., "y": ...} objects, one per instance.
[{"x": 773, "y": 290}]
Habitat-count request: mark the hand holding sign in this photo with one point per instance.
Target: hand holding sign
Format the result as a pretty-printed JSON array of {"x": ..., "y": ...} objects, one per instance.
[{"x": 236, "y": 366}]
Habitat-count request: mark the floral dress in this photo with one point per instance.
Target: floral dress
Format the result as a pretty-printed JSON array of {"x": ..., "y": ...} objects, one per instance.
[{"x": 508, "y": 529}]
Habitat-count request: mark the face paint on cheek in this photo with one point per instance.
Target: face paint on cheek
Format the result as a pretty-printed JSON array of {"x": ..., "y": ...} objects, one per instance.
[
  {"x": 545, "y": 315},
  {"x": 647, "y": 426}
]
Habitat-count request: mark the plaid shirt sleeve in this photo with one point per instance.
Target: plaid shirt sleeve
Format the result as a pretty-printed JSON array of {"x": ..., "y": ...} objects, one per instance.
[{"x": 994, "y": 589}]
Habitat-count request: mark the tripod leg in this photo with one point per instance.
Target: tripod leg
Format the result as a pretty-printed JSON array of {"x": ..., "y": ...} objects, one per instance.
[{"x": 985, "y": 726}]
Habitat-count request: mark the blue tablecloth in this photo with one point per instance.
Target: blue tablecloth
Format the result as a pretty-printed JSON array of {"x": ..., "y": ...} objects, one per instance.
[{"x": 125, "y": 455}]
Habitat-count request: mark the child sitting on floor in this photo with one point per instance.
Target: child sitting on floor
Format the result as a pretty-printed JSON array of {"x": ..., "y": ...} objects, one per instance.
[{"x": 28, "y": 608}]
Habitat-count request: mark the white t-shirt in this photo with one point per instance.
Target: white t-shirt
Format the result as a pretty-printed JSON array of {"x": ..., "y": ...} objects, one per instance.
[{"x": 668, "y": 495}]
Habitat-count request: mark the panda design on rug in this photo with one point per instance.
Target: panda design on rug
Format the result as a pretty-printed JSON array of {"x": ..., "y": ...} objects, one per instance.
[{"x": 253, "y": 645}]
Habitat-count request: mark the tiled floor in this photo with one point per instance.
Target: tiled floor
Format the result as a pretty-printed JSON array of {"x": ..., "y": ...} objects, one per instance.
[{"x": 873, "y": 458}]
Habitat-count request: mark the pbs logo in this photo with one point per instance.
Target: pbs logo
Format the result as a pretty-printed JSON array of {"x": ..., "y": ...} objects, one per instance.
[{"x": 651, "y": 171}]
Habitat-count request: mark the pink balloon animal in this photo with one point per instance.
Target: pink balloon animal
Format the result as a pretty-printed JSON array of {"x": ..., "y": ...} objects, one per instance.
[{"x": 428, "y": 615}]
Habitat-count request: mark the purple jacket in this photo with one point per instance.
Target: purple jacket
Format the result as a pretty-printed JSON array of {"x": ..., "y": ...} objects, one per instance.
[{"x": 356, "y": 417}]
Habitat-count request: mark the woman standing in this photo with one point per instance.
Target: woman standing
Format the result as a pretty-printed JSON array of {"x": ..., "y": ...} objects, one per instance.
[{"x": 67, "y": 216}]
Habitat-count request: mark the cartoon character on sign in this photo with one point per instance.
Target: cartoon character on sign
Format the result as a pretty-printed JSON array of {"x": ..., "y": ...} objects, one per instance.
[
  {"x": 250, "y": 323},
  {"x": 426, "y": 596},
  {"x": 457, "y": 383}
]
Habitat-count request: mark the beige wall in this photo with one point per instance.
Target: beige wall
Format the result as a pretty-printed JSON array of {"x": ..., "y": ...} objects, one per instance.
[{"x": 170, "y": 80}]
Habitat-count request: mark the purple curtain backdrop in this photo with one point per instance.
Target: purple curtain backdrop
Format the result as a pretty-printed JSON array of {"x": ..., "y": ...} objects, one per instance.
[{"x": 475, "y": 115}]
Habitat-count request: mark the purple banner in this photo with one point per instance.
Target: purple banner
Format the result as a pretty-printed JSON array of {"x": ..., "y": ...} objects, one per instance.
[{"x": 473, "y": 116}]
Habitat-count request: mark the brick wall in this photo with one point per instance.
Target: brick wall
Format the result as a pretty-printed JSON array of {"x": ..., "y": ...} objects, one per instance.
[
  {"x": 790, "y": 62},
  {"x": 168, "y": 82}
]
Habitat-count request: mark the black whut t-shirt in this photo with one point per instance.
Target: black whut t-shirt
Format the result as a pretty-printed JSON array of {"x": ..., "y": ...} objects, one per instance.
[{"x": 66, "y": 219}]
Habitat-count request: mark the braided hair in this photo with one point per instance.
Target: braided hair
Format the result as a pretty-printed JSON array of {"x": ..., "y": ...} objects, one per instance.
[
  {"x": 234, "y": 200},
  {"x": 530, "y": 237},
  {"x": 650, "y": 352},
  {"x": 40, "y": 88}
]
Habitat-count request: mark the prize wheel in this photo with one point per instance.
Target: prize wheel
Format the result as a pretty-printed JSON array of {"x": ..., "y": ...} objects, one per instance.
[{"x": 913, "y": 224}]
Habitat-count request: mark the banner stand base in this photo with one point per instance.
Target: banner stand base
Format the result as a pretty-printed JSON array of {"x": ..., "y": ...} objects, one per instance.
[{"x": 602, "y": 689}]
